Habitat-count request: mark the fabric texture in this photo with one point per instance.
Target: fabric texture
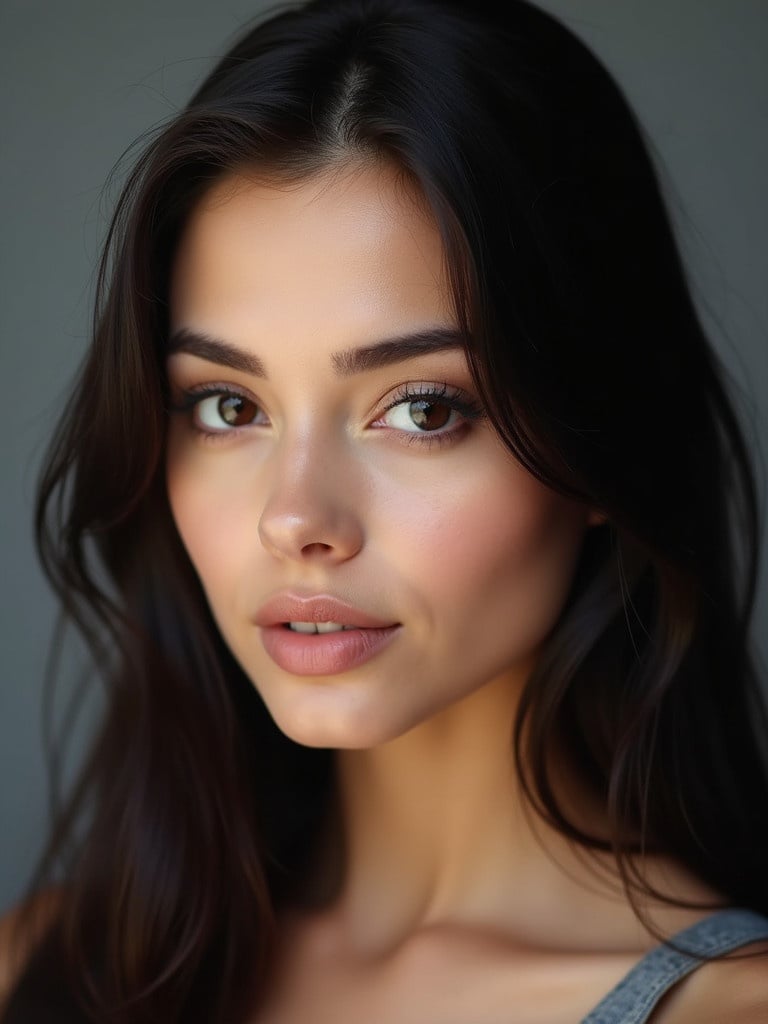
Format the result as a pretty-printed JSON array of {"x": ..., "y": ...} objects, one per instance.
[{"x": 635, "y": 997}]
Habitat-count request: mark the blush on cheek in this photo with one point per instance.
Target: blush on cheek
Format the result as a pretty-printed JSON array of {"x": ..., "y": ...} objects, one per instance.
[
  {"x": 509, "y": 561},
  {"x": 483, "y": 525}
]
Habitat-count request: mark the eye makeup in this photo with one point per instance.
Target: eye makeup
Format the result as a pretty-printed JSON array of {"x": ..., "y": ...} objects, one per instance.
[{"x": 417, "y": 412}]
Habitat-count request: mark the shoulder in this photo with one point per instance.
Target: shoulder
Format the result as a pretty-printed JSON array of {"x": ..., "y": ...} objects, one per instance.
[
  {"x": 734, "y": 989},
  {"x": 21, "y": 929},
  {"x": 738, "y": 987}
]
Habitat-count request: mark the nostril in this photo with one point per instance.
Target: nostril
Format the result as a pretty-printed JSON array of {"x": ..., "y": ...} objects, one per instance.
[{"x": 315, "y": 548}]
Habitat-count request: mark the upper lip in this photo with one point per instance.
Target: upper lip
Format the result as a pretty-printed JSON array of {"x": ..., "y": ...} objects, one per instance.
[{"x": 288, "y": 607}]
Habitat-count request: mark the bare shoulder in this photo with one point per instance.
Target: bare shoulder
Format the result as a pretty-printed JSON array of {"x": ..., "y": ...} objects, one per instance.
[
  {"x": 734, "y": 989},
  {"x": 739, "y": 987},
  {"x": 21, "y": 928}
]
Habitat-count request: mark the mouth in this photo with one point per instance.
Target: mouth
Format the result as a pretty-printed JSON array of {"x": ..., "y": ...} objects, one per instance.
[
  {"x": 317, "y": 627},
  {"x": 320, "y": 634}
]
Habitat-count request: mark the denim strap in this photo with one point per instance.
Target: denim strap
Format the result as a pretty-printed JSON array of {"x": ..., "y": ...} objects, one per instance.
[{"x": 636, "y": 995}]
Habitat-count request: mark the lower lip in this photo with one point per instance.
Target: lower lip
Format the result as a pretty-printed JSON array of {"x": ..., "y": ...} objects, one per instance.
[{"x": 324, "y": 654}]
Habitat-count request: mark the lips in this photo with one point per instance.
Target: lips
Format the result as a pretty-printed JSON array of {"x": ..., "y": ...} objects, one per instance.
[
  {"x": 283, "y": 608},
  {"x": 317, "y": 654}
]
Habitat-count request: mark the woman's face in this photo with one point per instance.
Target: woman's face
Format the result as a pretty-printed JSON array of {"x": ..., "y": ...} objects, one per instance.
[{"x": 328, "y": 445}]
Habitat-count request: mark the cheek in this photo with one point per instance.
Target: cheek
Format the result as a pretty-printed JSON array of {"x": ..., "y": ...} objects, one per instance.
[
  {"x": 499, "y": 550},
  {"x": 208, "y": 515}
]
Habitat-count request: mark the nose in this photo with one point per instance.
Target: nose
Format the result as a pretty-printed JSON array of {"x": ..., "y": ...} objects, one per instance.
[{"x": 309, "y": 513}]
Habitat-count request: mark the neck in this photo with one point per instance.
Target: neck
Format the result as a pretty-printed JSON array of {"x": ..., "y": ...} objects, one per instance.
[
  {"x": 437, "y": 834},
  {"x": 435, "y": 827}
]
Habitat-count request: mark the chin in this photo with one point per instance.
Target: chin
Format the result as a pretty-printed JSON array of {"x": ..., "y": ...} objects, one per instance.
[{"x": 346, "y": 728}]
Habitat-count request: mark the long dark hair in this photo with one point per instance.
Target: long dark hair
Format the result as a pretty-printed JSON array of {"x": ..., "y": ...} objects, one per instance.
[{"x": 201, "y": 818}]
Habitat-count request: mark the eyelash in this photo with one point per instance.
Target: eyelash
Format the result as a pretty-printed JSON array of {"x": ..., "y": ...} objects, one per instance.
[
  {"x": 456, "y": 400},
  {"x": 190, "y": 398},
  {"x": 469, "y": 409}
]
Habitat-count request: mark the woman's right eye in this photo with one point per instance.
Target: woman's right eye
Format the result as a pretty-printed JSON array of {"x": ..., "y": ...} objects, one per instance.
[{"x": 224, "y": 411}]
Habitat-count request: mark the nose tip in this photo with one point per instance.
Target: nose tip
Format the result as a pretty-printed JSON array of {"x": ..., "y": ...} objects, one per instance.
[{"x": 306, "y": 528}]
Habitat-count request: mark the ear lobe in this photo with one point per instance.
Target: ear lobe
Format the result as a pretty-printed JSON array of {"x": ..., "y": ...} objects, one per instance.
[{"x": 596, "y": 517}]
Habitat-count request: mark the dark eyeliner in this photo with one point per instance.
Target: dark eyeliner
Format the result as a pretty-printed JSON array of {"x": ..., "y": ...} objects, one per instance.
[
  {"x": 454, "y": 398},
  {"x": 190, "y": 397}
]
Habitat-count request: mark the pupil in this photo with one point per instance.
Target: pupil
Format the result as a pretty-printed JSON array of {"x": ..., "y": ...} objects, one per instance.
[
  {"x": 233, "y": 410},
  {"x": 430, "y": 415}
]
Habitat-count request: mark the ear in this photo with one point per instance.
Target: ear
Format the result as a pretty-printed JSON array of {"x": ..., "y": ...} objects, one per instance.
[{"x": 596, "y": 517}]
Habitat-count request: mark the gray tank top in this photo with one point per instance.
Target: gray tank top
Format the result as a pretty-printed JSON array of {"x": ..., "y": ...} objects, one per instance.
[{"x": 633, "y": 1000}]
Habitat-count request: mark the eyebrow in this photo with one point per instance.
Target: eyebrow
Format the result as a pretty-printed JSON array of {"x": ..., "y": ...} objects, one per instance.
[{"x": 345, "y": 363}]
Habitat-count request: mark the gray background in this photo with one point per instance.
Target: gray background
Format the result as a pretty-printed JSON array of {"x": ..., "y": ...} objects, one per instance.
[{"x": 82, "y": 79}]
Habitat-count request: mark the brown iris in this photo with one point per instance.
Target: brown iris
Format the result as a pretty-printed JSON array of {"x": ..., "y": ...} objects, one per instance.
[
  {"x": 429, "y": 415},
  {"x": 236, "y": 410}
]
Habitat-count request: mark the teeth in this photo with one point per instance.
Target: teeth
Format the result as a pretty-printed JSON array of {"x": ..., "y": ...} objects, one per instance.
[{"x": 317, "y": 627}]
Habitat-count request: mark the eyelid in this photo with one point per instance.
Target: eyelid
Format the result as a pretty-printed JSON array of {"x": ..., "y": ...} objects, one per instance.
[
  {"x": 457, "y": 400},
  {"x": 190, "y": 398},
  {"x": 450, "y": 395}
]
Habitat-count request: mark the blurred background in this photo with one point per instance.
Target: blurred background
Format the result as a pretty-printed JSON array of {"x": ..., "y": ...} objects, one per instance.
[{"x": 83, "y": 80}]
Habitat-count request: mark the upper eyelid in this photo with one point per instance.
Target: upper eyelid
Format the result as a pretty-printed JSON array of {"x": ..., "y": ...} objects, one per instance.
[
  {"x": 211, "y": 387},
  {"x": 459, "y": 399},
  {"x": 406, "y": 387},
  {"x": 192, "y": 395}
]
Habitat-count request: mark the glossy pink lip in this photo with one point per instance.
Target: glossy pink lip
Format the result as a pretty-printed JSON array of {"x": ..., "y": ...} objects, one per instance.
[
  {"x": 288, "y": 607},
  {"x": 320, "y": 654}
]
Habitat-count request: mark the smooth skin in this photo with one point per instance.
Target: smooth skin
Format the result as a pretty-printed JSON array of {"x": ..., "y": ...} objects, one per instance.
[
  {"x": 457, "y": 906},
  {"x": 323, "y": 489}
]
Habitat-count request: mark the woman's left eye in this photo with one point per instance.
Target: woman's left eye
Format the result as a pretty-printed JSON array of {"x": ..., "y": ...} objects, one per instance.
[
  {"x": 421, "y": 415},
  {"x": 430, "y": 413}
]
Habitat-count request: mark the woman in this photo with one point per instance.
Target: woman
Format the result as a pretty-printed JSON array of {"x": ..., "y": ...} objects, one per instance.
[{"x": 430, "y": 548}]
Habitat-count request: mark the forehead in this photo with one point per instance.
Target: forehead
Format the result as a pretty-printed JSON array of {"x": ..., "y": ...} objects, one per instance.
[{"x": 341, "y": 251}]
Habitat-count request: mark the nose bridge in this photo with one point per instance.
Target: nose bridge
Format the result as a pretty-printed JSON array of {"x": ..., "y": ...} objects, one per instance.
[{"x": 308, "y": 509}]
